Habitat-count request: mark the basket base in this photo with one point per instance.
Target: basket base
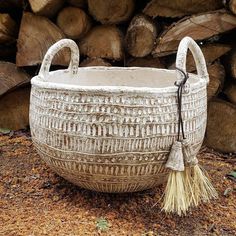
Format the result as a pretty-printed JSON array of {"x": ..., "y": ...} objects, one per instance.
[{"x": 113, "y": 184}]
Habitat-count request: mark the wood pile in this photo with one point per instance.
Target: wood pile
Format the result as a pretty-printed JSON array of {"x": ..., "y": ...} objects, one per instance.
[{"x": 120, "y": 33}]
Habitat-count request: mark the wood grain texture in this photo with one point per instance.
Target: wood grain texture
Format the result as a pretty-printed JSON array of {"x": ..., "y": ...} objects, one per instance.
[
  {"x": 74, "y": 22},
  {"x": 178, "y": 8},
  {"x": 36, "y": 35},
  {"x": 8, "y": 28},
  {"x": 232, "y": 6},
  {"x": 216, "y": 73},
  {"x": 221, "y": 114},
  {"x": 140, "y": 36},
  {"x": 199, "y": 27},
  {"x": 46, "y": 7},
  {"x": 103, "y": 41},
  {"x": 111, "y": 11},
  {"x": 14, "y": 109},
  {"x": 11, "y": 77},
  {"x": 211, "y": 52}
]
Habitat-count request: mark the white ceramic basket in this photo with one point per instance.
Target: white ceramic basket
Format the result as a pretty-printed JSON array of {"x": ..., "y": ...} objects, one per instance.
[{"x": 110, "y": 129}]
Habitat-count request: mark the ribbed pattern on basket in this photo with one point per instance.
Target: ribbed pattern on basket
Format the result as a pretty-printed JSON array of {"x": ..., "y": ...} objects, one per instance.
[{"x": 112, "y": 142}]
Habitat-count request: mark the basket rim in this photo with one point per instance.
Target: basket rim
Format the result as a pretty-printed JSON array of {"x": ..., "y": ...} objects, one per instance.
[{"x": 38, "y": 81}]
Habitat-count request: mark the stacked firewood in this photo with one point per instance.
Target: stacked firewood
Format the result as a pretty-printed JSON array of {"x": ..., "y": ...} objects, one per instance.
[{"x": 120, "y": 33}]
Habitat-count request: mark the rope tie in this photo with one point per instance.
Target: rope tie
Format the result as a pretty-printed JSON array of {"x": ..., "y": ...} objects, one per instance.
[{"x": 179, "y": 101}]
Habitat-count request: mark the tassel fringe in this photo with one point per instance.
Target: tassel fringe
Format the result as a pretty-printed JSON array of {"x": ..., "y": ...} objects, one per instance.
[
  {"x": 175, "y": 196},
  {"x": 202, "y": 188},
  {"x": 187, "y": 186}
]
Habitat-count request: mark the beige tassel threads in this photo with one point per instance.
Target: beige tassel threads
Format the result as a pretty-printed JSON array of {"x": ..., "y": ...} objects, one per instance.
[
  {"x": 201, "y": 187},
  {"x": 175, "y": 199},
  {"x": 186, "y": 186}
]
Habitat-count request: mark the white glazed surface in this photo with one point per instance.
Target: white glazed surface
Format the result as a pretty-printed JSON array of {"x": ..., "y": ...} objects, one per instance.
[{"x": 111, "y": 129}]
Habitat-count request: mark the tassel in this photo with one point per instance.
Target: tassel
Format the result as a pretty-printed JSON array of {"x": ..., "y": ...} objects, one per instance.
[
  {"x": 203, "y": 189},
  {"x": 187, "y": 183},
  {"x": 197, "y": 183},
  {"x": 175, "y": 199},
  {"x": 175, "y": 160}
]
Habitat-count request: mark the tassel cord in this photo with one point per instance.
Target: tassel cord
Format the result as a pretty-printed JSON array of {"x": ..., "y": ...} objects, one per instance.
[{"x": 179, "y": 101}]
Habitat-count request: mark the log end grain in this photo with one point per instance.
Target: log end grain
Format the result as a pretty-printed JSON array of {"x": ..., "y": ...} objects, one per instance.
[
  {"x": 103, "y": 41},
  {"x": 140, "y": 36},
  {"x": 14, "y": 109},
  {"x": 36, "y": 35},
  {"x": 221, "y": 126},
  {"x": 111, "y": 11}
]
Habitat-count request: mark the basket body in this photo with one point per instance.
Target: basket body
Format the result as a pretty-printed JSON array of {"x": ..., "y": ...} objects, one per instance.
[
  {"x": 114, "y": 138},
  {"x": 112, "y": 142}
]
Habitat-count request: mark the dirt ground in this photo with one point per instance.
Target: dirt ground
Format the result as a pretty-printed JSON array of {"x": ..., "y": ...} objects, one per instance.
[{"x": 35, "y": 201}]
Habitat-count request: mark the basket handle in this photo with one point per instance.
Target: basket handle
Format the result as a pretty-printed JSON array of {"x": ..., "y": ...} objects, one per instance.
[
  {"x": 53, "y": 50},
  {"x": 185, "y": 44}
]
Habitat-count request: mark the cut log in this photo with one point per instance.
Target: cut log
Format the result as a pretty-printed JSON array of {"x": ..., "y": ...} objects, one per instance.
[
  {"x": 14, "y": 109},
  {"x": 230, "y": 92},
  {"x": 11, "y": 3},
  {"x": 78, "y": 3},
  {"x": 232, "y": 63},
  {"x": 36, "y": 35},
  {"x": 46, "y": 7},
  {"x": 140, "y": 36},
  {"x": 232, "y": 6},
  {"x": 211, "y": 51},
  {"x": 178, "y": 8},
  {"x": 94, "y": 62},
  {"x": 146, "y": 62},
  {"x": 11, "y": 77},
  {"x": 103, "y": 41},
  {"x": 111, "y": 11},
  {"x": 199, "y": 27},
  {"x": 221, "y": 126},
  {"x": 74, "y": 22},
  {"x": 8, "y": 29},
  {"x": 216, "y": 75}
]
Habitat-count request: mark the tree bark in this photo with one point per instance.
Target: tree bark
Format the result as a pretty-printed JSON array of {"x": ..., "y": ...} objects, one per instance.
[
  {"x": 199, "y": 27},
  {"x": 46, "y": 7},
  {"x": 103, "y": 41},
  {"x": 74, "y": 22},
  {"x": 111, "y": 11},
  {"x": 36, "y": 35},
  {"x": 140, "y": 36}
]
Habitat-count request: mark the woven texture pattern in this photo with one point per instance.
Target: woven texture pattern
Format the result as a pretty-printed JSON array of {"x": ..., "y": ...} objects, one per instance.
[
  {"x": 116, "y": 142},
  {"x": 113, "y": 141}
]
